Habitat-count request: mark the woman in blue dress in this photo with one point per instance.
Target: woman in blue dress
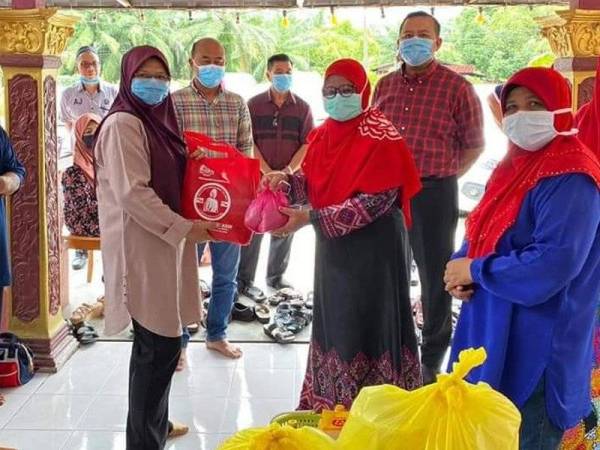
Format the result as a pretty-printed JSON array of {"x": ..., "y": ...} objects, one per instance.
[{"x": 529, "y": 269}]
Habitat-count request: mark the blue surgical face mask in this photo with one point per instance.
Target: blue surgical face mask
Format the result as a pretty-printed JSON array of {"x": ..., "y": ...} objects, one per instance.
[
  {"x": 343, "y": 108},
  {"x": 151, "y": 91},
  {"x": 416, "y": 51},
  {"x": 93, "y": 80},
  {"x": 211, "y": 75},
  {"x": 282, "y": 82}
]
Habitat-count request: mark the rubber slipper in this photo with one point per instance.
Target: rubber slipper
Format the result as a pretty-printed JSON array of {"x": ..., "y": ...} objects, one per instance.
[
  {"x": 85, "y": 334},
  {"x": 193, "y": 328},
  {"x": 276, "y": 299},
  {"x": 205, "y": 289},
  {"x": 253, "y": 293},
  {"x": 310, "y": 299},
  {"x": 263, "y": 313},
  {"x": 278, "y": 335}
]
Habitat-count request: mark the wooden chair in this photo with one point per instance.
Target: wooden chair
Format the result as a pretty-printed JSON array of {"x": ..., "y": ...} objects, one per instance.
[{"x": 84, "y": 243}]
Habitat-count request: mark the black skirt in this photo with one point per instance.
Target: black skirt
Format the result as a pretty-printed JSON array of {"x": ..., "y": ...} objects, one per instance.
[{"x": 363, "y": 331}]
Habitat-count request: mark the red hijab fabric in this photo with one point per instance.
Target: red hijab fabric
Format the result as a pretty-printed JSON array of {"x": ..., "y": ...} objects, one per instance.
[
  {"x": 83, "y": 157},
  {"x": 521, "y": 170},
  {"x": 588, "y": 119},
  {"x": 362, "y": 155},
  {"x": 167, "y": 149}
]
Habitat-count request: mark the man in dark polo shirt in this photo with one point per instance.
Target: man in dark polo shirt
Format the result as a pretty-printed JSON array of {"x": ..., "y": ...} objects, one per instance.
[
  {"x": 281, "y": 122},
  {"x": 439, "y": 114}
]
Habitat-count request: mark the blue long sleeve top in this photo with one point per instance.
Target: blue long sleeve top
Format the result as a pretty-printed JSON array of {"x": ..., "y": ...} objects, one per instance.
[
  {"x": 8, "y": 163},
  {"x": 535, "y": 299}
]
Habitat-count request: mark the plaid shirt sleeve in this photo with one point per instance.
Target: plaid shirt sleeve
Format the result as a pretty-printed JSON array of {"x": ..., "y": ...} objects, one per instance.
[
  {"x": 307, "y": 126},
  {"x": 245, "y": 142},
  {"x": 353, "y": 214},
  {"x": 469, "y": 119}
]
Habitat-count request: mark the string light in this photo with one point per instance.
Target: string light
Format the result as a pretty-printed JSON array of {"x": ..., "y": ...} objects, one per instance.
[
  {"x": 382, "y": 13},
  {"x": 285, "y": 22},
  {"x": 334, "y": 20},
  {"x": 433, "y": 10},
  {"x": 142, "y": 17},
  {"x": 190, "y": 15},
  {"x": 237, "y": 18}
]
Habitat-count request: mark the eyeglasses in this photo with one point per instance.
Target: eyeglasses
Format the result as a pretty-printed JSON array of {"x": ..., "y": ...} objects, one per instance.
[
  {"x": 345, "y": 91},
  {"x": 147, "y": 76},
  {"x": 275, "y": 119},
  {"x": 88, "y": 65}
]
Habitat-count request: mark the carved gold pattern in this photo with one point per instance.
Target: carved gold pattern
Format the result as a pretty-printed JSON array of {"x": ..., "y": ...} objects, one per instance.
[
  {"x": 52, "y": 209},
  {"x": 573, "y": 33},
  {"x": 25, "y": 227},
  {"x": 35, "y": 31}
]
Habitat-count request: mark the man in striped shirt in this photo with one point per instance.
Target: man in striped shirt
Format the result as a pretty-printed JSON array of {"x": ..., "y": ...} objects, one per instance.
[{"x": 206, "y": 107}]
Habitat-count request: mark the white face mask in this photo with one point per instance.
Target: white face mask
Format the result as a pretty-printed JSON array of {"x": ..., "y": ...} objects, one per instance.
[{"x": 533, "y": 130}]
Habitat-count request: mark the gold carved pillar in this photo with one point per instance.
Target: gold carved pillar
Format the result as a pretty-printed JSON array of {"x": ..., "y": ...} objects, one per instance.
[
  {"x": 574, "y": 37},
  {"x": 31, "y": 42}
]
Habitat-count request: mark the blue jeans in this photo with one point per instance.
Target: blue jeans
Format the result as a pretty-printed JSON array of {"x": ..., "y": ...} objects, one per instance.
[
  {"x": 537, "y": 432},
  {"x": 225, "y": 260}
]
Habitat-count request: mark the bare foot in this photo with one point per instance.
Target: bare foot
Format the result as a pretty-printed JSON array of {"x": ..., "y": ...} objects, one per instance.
[
  {"x": 225, "y": 348},
  {"x": 2, "y": 400},
  {"x": 177, "y": 429},
  {"x": 182, "y": 363}
]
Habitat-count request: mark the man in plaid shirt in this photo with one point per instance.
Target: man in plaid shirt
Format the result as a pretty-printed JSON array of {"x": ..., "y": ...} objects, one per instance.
[
  {"x": 204, "y": 106},
  {"x": 439, "y": 114}
]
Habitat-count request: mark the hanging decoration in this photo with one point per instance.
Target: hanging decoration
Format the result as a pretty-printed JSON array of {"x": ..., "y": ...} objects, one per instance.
[
  {"x": 334, "y": 20},
  {"x": 480, "y": 18},
  {"x": 285, "y": 22}
]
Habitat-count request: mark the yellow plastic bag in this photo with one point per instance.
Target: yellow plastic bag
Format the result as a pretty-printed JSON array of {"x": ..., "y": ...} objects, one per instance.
[
  {"x": 448, "y": 415},
  {"x": 279, "y": 437}
]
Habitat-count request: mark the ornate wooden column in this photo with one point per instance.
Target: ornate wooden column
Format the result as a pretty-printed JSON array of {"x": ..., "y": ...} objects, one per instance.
[
  {"x": 31, "y": 42},
  {"x": 574, "y": 37}
]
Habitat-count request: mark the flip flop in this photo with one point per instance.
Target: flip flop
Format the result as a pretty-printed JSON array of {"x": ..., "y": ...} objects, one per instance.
[
  {"x": 193, "y": 328},
  {"x": 205, "y": 289},
  {"x": 278, "y": 335},
  {"x": 263, "y": 313},
  {"x": 85, "y": 333}
]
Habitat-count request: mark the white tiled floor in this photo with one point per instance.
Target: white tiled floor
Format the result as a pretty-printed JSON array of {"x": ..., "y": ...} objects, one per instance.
[{"x": 84, "y": 407}]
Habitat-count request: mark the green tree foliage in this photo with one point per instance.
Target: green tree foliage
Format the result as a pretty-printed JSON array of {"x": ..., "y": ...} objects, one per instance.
[{"x": 505, "y": 41}]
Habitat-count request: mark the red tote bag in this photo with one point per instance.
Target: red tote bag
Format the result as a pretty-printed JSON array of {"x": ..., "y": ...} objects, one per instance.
[{"x": 219, "y": 189}]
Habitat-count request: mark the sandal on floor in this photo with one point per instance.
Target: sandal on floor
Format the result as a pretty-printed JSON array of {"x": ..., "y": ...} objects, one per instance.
[
  {"x": 81, "y": 314},
  {"x": 263, "y": 313},
  {"x": 278, "y": 335},
  {"x": 177, "y": 429},
  {"x": 193, "y": 328},
  {"x": 205, "y": 289},
  {"x": 310, "y": 298},
  {"x": 85, "y": 333}
]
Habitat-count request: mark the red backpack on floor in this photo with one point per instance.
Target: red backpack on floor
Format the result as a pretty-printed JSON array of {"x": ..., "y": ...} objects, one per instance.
[{"x": 219, "y": 189}]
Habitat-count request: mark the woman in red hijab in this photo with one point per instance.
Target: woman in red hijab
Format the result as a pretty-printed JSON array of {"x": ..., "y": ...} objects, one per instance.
[
  {"x": 79, "y": 187},
  {"x": 148, "y": 248},
  {"x": 587, "y": 433},
  {"x": 529, "y": 269},
  {"x": 358, "y": 178}
]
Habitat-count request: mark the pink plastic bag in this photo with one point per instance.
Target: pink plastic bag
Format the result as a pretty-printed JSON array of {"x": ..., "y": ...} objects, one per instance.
[{"x": 263, "y": 214}]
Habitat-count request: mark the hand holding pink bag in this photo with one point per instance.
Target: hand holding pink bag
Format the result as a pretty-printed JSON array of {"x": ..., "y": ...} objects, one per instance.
[{"x": 263, "y": 214}]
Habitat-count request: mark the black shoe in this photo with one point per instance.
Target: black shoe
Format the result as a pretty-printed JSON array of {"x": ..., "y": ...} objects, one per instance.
[
  {"x": 279, "y": 283},
  {"x": 242, "y": 312},
  {"x": 252, "y": 292},
  {"x": 80, "y": 260}
]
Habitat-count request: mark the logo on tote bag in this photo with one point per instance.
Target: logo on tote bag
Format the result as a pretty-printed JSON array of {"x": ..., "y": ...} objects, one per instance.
[{"x": 212, "y": 202}]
